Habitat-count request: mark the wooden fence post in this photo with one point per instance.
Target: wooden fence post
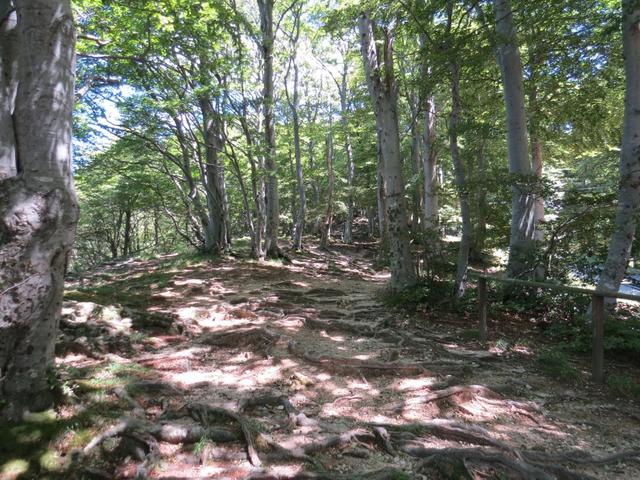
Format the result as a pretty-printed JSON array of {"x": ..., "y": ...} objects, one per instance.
[
  {"x": 597, "y": 319},
  {"x": 482, "y": 299}
]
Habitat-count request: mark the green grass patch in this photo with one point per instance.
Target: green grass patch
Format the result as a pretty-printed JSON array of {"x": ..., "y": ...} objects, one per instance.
[
  {"x": 624, "y": 386},
  {"x": 556, "y": 364}
]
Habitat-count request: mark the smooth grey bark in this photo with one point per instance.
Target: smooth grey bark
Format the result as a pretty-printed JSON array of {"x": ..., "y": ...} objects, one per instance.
[
  {"x": 328, "y": 216},
  {"x": 8, "y": 90},
  {"x": 212, "y": 179},
  {"x": 430, "y": 209},
  {"x": 629, "y": 193},
  {"x": 38, "y": 209},
  {"x": 416, "y": 163},
  {"x": 294, "y": 104},
  {"x": 347, "y": 234},
  {"x": 271, "y": 247},
  {"x": 521, "y": 243},
  {"x": 458, "y": 167},
  {"x": 480, "y": 233},
  {"x": 383, "y": 93}
]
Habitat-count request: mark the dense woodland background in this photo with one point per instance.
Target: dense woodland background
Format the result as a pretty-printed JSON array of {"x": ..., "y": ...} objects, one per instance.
[{"x": 159, "y": 78}]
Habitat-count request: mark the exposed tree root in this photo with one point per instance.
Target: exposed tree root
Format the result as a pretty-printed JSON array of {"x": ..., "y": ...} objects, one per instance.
[
  {"x": 434, "y": 455},
  {"x": 295, "y": 418},
  {"x": 384, "y": 474},
  {"x": 260, "y": 338},
  {"x": 204, "y": 413},
  {"x": 447, "y": 429},
  {"x": 351, "y": 365},
  {"x": 581, "y": 458}
]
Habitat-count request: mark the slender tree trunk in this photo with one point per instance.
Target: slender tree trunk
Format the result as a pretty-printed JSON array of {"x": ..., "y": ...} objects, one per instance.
[
  {"x": 629, "y": 193},
  {"x": 325, "y": 236},
  {"x": 521, "y": 244},
  {"x": 8, "y": 90},
  {"x": 294, "y": 104},
  {"x": 214, "y": 228},
  {"x": 480, "y": 236},
  {"x": 272, "y": 201},
  {"x": 458, "y": 166},
  {"x": 416, "y": 163},
  {"x": 430, "y": 170},
  {"x": 127, "y": 233},
  {"x": 347, "y": 234},
  {"x": 383, "y": 93},
  {"x": 38, "y": 209}
]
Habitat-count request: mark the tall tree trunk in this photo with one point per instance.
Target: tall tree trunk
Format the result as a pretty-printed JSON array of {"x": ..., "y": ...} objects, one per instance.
[
  {"x": 430, "y": 171},
  {"x": 347, "y": 234},
  {"x": 214, "y": 229},
  {"x": 629, "y": 194},
  {"x": 383, "y": 93},
  {"x": 328, "y": 216},
  {"x": 38, "y": 210},
  {"x": 272, "y": 201},
  {"x": 521, "y": 244},
  {"x": 480, "y": 236},
  {"x": 536, "y": 157},
  {"x": 416, "y": 163},
  {"x": 8, "y": 89},
  {"x": 294, "y": 104},
  {"x": 458, "y": 166}
]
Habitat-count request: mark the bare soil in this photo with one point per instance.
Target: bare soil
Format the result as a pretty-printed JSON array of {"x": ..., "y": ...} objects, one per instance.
[{"x": 237, "y": 369}]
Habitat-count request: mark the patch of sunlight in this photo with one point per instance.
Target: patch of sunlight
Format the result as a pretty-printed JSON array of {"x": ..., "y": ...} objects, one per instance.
[
  {"x": 359, "y": 385},
  {"x": 51, "y": 461},
  {"x": 188, "y": 281},
  {"x": 522, "y": 349},
  {"x": 335, "y": 338},
  {"x": 340, "y": 391},
  {"x": 14, "y": 468},
  {"x": 410, "y": 384},
  {"x": 363, "y": 356},
  {"x": 323, "y": 377},
  {"x": 191, "y": 378},
  {"x": 48, "y": 416}
]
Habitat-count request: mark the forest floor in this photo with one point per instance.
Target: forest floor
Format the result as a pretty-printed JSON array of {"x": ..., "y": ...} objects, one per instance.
[{"x": 238, "y": 369}]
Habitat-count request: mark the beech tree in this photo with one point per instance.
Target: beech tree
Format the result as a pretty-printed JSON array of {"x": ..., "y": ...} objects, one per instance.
[
  {"x": 629, "y": 192},
  {"x": 522, "y": 201},
  {"x": 382, "y": 90},
  {"x": 38, "y": 210}
]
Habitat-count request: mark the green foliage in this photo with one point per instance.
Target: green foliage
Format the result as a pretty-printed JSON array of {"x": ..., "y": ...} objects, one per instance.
[
  {"x": 621, "y": 335},
  {"x": 624, "y": 385},
  {"x": 556, "y": 363}
]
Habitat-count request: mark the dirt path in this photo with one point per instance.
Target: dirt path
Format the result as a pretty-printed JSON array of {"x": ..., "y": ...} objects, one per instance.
[{"x": 245, "y": 370}]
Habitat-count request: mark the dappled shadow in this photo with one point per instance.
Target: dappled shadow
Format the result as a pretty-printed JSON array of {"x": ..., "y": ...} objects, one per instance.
[{"x": 302, "y": 367}]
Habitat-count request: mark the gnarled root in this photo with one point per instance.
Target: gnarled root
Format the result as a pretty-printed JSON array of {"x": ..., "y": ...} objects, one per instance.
[
  {"x": 295, "y": 418},
  {"x": 351, "y": 365}
]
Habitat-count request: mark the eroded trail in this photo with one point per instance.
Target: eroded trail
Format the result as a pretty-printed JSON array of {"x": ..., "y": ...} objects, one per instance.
[{"x": 240, "y": 370}]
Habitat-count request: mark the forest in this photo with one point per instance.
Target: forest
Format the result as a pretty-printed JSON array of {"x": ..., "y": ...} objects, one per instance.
[{"x": 319, "y": 239}]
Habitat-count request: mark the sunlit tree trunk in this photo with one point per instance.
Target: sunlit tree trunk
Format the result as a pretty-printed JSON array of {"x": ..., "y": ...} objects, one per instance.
[
  {"x": 38, "y": 210},
  {"x": 480, "y": 234},
  {"x": 325, "y": 236},
  {"x": 383, "y": 93},
  {"x": 629, "y": 193},
  {"x": 8, "y": 89},
  {"x": 521, "y": 244},
  {"x": 215, "y": 237},
  {"x": 430, "y": 208},
  {"x": 347, "y": 235},
  {"x": 272, "y": 201},
  {"x": 416, "y": 163},
  {"x": 458, "y": 167},
  {"x": 294, "y": 104}
]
